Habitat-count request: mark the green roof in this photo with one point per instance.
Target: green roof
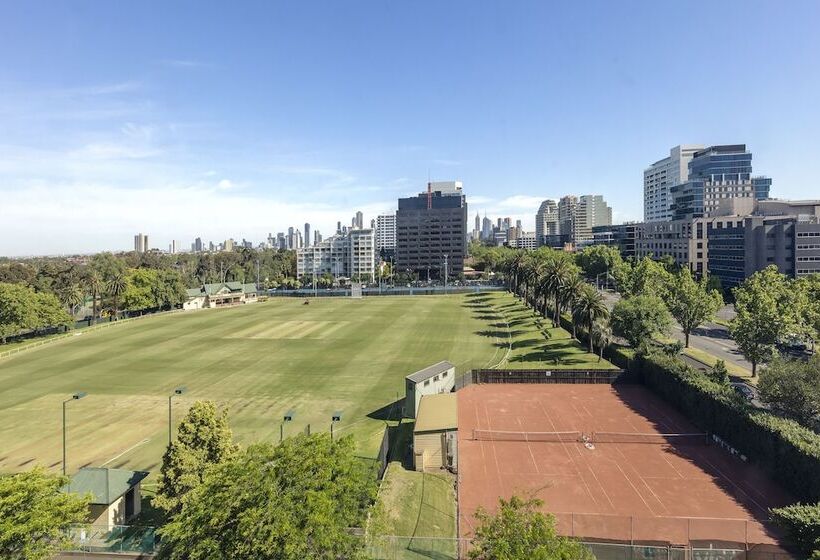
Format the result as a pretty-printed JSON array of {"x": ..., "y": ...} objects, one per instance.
[
  {"x": 249, "y": 288},
  {"x": 194, "y": 292},
  {"x": 105, "y": 485},
  {"x": 437, "y": 413}
]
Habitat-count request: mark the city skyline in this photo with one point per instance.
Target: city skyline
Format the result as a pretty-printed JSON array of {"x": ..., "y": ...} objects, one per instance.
[{"x": 142, "y": 122}]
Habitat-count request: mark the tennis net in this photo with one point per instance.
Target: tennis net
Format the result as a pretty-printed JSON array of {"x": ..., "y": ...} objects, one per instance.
[
  {"x": 638, "y": 437},
  {"x": 501, "y": 435}
]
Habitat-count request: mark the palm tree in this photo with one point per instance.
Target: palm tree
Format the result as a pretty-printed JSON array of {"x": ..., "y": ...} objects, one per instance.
[
  {"x": 570, "y": 292},
  {"x": 589, "y": 308},
  {"x": 115, "y": 288},
  {"x": 96, "y": 286},
  {"x": 557, "y": 271},
  {"x": 602, "y": 336},
  {"x": 72, "y": 296}
]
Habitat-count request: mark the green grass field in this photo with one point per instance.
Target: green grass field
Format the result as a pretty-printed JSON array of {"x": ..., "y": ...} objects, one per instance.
[{"x": 259, "y": 361}]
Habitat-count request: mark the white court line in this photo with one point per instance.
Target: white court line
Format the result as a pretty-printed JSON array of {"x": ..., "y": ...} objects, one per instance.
[{"x": 143, "y": 442}]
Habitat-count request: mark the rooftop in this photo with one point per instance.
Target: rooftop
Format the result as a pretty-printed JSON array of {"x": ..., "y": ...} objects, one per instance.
[
  {"x": 105, "y": 485},
  {"x": 430, "y": 371},
  {"x": 437, "y": 413}
]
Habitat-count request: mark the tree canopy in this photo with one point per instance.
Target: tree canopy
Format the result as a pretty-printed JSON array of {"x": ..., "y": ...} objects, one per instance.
[
  {"x": 22, "y": 309},
  {"x": 34, "y": 514},
  {"x": 766, "y": 314},
  {"x": 292, "y": 501},
  {"x": 691, "y": 302},
  {"x": 520, "y": 531},
  {"x": 639, "y": 318},
  {"x": 793, "y": 387},
  {"x": 203, "y": 439}
]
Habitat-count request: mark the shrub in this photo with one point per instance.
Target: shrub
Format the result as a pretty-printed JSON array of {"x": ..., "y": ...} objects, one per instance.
[{"x": 801, "y": 523}]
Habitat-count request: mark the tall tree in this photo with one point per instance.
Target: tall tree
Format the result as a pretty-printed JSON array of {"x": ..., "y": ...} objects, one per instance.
[
  {"x": 793, "y": 387},
  {"x": 766, "y": 314},
  {"x": 598, "y": 259},
  {"x": 203, "y": 439},
  {"x": 589, "y": 308},
  {"x": 96, "y": 287},
  {"x": 116, "y": 288},
  {"x": 520, "y": 531},
  {"x": 639, "y": 318},
  {"x": 602, "y": 335},
  {"x": 35, "y": 514},
  {"x": 16, "y": 312},
  {"x": 292, "y": 501},
  {"x": 691, "y": 302},
  {"x": 570, "y": 292},
  {"x": 72, "y": 296}
]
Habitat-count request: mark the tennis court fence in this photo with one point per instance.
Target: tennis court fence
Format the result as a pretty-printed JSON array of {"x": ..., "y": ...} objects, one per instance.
[
  {"x": 541, "y": 376},
  {"x": 592, "y": 437}
]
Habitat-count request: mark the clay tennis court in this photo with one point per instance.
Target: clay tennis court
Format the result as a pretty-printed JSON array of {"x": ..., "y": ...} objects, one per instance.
[{"x": 674, "y": 491}]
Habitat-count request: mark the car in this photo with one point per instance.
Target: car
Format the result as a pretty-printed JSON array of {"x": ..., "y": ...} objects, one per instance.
[{"x": 744, "y": 391}]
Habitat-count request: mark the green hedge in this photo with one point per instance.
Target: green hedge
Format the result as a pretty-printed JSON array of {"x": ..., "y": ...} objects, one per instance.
[
  {"x": 801, "y": 524},
  {"x": 787, "y": 451}
]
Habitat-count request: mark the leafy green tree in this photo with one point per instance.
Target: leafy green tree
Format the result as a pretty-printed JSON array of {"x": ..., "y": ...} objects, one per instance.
[
  {"x": 639, "y": 318},
  {"x": 571, "y": 291},
  {"x": 793, "y": 387},
  {"x": 801, "y": 524},
  {"x": 719, "y": 373},
  {"x": 140, "y": 284},
  {"x": 598, "y": 259},
  {"x": 169, "y": 291},
  {"x": 766, "y": 313},
  {"x": 644, "y": 277},
  {"x": 16, "y": 312},
  {"x": 35, "y": 514},
  {"x": 809, "y": 312},
  {"x": 589, "y": 307},
  {"x": 691, "y": 302},
  {"x": 292, "y": 501},
  {"x": 203, "y": 439},
  {"x": 519, "y": 531},
  {"x": 49, "y": 312}
]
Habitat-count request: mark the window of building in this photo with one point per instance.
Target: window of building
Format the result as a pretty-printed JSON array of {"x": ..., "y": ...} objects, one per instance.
[{"x": 426, "y": 382}]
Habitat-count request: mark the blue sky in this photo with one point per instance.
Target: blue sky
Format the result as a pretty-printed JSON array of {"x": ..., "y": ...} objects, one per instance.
[{"x": 235, "y": 119}]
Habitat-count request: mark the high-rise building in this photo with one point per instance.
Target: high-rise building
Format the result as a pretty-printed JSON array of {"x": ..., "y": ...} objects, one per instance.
[
  {"x": 174, "y": 247},
  {"x": 359, "y": 220},
  {"x": 477, "y": 229},
  {"x": 317, "y": 237},
  {"x": 198, "y": 246},
  {"x": 546, "y": 221},
  {"x": 567, "y": 207},
  {"x": 228, "y": 245},
  {"x": 717, "y": 173},
  {"x": 350, "y": 255},
  {"x": 660, "y": 177},
  {"x": 431, "y": 225},
  {"x": 386, "y": 232},
  {"x": 307, "y": 234},
  {"x": 141, "y": 243},
  {"x": 592, "y": 211},
  {"x": 486, "y": 228}
]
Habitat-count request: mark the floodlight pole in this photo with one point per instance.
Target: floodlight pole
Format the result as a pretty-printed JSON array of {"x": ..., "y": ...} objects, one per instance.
[
  {"x": 177, "y": 391},
  {"x": 445, "y": 273},
  {"x": 74, "y": 397}
]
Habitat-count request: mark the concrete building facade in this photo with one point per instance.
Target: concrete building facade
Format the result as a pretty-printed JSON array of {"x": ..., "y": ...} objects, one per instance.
[
  {"x": 428, "y": 227},
  {"x": 386, "y": 232},
  {"x": 546, "y": 221},
  {"x": 660, "y": 177}
]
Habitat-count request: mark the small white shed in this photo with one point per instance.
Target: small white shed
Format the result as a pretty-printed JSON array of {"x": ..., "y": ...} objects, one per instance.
[{"x": 432, "y": 380}]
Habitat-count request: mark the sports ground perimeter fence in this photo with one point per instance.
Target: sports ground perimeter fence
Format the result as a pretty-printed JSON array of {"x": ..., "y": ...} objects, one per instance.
[
  {"x": 582, "y": 376},
  {"x": 132, "y": 540}
]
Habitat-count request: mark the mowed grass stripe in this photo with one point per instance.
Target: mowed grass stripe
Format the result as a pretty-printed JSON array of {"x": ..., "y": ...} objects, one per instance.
[{"x": 348, "y": 355}]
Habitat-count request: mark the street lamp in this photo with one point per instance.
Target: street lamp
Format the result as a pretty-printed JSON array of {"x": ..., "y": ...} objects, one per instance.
[
  {"x": 335, "y": 417},
  {"x": 74, "y": 397},
  {"x": 177, "y": 391}
]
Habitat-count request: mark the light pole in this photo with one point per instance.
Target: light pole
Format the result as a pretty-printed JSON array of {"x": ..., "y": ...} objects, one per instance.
[
  {"x": 177, "y": 391},
  {"x": 335, "y": 417},
  {"x": 74, "y": 397},
  {"x": 445, "y": 273}
]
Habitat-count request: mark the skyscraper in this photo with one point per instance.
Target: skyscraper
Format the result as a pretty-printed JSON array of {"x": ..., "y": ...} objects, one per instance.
[
  {"x": 141, "y": 243},
  {"x": 386, "y": 232},
  {"x": 477, "y": 224},
  {"x": 307, "y": 234},
  {"x": 359, "y": 220},
  {"x": 717, "y": 173},
  {"x": 660, "y": 177},
  {"x": 431, "y": 225},
  {"x": 567, "y": 206},
  {"x": 592, "y": 211},
  {"x": 546, "y": 221}
]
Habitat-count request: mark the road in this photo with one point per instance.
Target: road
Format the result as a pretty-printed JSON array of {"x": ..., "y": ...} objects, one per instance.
[{"x": 711, "y": 337}]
